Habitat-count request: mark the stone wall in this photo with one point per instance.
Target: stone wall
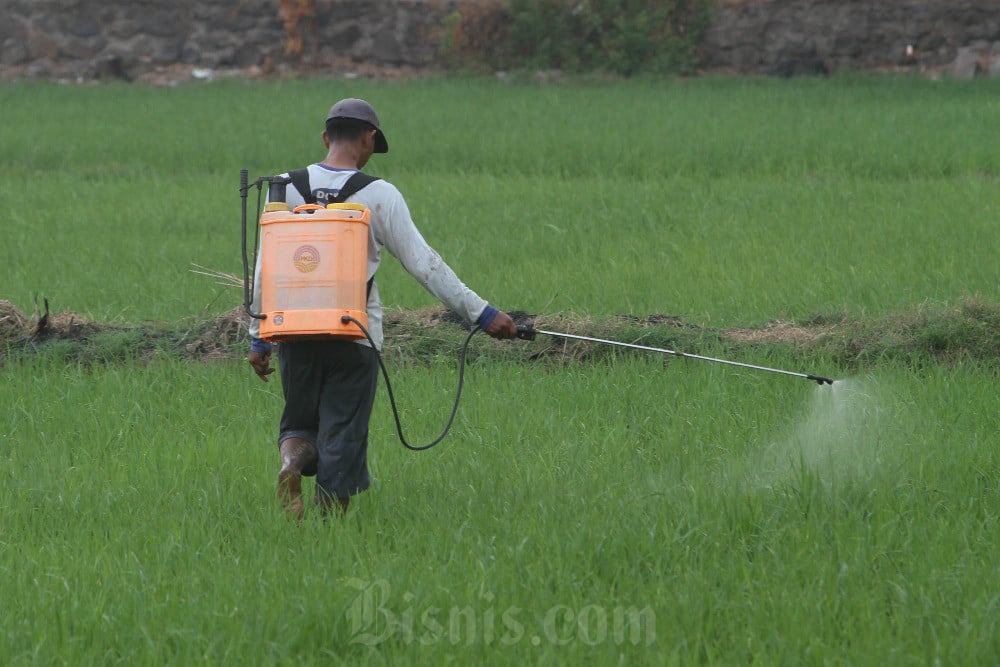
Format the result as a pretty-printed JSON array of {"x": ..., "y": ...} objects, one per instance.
[
  {"x": 960, "y": 37},
  {"x": 132, "y": 39}
]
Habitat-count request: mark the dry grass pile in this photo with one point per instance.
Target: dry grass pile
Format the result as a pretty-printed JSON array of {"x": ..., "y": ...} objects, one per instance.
[{"x": 13, "y": 324}]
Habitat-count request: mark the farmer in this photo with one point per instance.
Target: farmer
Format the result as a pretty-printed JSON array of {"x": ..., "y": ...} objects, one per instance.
[{"x": 329, "y": 385}]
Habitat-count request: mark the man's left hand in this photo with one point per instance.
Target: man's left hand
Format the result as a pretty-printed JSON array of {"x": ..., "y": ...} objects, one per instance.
[{"x": 261, "y": 362}]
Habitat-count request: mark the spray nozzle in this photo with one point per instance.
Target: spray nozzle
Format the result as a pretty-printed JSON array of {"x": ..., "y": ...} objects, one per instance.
[{"x": 820, "y": 380}]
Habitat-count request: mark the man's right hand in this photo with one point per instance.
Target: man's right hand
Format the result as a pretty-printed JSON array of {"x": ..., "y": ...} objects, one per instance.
[
  {"x": 261, "y": 363},
  {"x": 502, "y": 326}
]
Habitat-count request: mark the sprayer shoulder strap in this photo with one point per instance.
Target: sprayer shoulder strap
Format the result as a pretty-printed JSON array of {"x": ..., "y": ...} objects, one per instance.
[
  {"x": 356, "y": 182},
  {"x": 300, "y": 179}
]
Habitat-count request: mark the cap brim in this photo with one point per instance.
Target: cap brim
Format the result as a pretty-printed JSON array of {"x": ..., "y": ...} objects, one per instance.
[{"x": 381, "y": 145}]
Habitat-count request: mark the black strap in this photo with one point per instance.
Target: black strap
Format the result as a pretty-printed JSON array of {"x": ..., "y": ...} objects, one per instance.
[
  {"x": 300, "y": 179},
  {"x": 355, "y": 183},
  {"x": 358, "y": 181}
]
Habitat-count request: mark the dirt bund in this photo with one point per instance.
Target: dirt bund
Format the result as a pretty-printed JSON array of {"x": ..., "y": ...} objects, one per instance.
[
  {"x": 226, "y": 335},
  {"x": 947, "y": 334}
]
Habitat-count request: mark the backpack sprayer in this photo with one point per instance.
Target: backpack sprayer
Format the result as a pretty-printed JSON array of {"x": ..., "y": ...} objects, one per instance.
[
  {"x": 314, "y": 256},
  {"x": 313, "y": 268},
  {"x": 311, "y": 257}
]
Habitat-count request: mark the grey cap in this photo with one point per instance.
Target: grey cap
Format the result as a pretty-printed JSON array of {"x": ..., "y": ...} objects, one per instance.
[{"x": 357, "y": 109}]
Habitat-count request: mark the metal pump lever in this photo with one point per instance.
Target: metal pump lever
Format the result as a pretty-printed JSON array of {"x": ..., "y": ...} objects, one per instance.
[{"x": 528, "y": 332}]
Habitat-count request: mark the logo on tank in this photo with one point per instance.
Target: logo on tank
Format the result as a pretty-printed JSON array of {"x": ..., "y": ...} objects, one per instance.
[{"x": 306, "y": 258}]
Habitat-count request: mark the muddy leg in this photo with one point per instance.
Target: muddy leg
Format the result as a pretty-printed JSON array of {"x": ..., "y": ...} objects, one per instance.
[
  {"x": 296, "y": 455},
  {"x": 328, "y": 503}
]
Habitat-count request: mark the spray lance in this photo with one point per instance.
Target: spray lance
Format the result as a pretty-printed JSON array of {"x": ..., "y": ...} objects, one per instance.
[{"x": 528, "y": 332}]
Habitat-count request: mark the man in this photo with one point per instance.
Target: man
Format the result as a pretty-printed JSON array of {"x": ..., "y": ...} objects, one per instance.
[{"x": 329, "y": 385}]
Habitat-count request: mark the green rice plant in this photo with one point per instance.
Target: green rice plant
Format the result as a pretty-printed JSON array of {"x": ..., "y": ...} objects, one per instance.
[
  {"x": 618, "y": 509},
  {"x": 625, "y": 512},
  {"x": 723, "y": 201}
]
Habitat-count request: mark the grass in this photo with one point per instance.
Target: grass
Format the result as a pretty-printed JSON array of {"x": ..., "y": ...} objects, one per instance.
[
  {"x": 596, "y": 508},
  {"x": 147, "y": 533},
  {"x": 805, "y": 200}
]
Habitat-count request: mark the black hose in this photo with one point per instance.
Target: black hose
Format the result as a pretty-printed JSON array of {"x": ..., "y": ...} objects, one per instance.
[{"x": 392, "y": 399}]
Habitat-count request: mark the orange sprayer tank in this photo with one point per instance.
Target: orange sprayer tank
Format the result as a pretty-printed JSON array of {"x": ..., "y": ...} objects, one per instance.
[{"x": 314, "y": 265}]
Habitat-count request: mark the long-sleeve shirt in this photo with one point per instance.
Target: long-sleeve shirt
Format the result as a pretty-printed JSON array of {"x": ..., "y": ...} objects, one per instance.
[{"x": 391, "y": 227}]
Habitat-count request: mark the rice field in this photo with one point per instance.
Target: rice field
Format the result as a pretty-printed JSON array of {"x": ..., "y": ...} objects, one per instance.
[{"x": 629, "y": 509}]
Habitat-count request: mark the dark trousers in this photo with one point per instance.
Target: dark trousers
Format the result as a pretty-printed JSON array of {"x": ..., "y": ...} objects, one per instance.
[{"x": 329, "y": 388}]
